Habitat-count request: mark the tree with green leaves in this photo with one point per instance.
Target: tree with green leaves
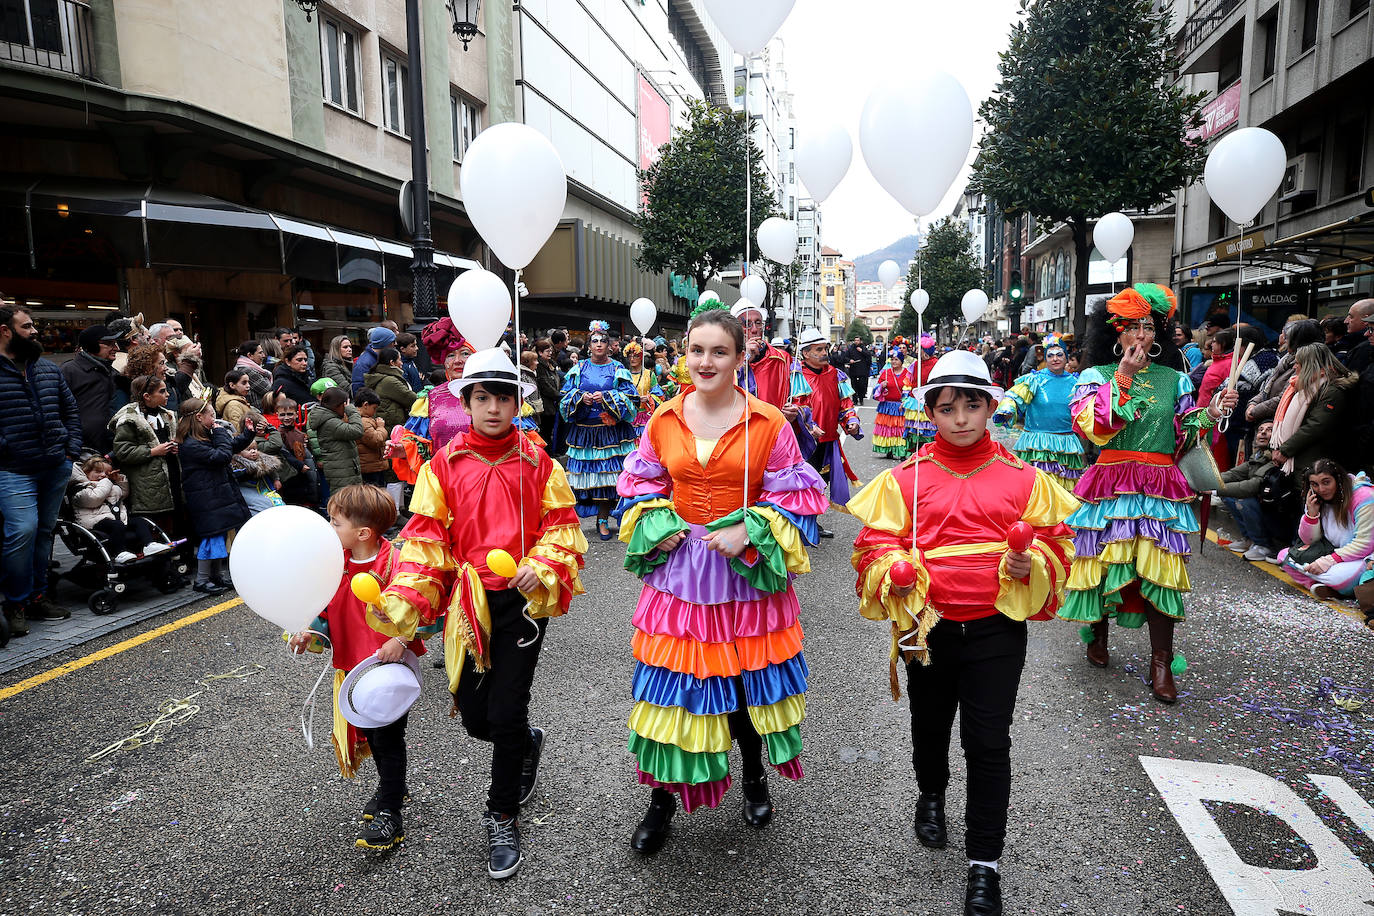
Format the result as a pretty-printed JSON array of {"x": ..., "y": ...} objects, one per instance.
[
  {"x": 858, "y": 329},
  {"x": 1086, "y": 120},
  {"x": 946, "y": 267},
  {"x": 692, "y": 218}
]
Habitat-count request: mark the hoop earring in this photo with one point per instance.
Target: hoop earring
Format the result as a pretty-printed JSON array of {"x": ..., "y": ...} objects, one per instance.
[
  {"x": 1156, "y": 350},
  {"x": 1116, "y": 349}
]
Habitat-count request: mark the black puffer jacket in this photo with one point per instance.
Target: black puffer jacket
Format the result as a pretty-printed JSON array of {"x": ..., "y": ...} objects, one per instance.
[
  {"x": 39, "y": 421},
  {"x": 213, "y": 500},
  {"x": 92, "y": 382},
  {"x": 295, "y": 385}
]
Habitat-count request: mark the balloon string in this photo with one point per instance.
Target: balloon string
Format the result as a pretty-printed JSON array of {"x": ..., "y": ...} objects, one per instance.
[
  {"x": 748, "y": 181},
  {"x": 519, "y": 411}
]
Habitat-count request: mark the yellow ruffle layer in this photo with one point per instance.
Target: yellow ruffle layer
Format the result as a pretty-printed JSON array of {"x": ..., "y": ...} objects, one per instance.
[
  {"x": 710, "y": 734},
  {"x": 1151, "y": 563}
]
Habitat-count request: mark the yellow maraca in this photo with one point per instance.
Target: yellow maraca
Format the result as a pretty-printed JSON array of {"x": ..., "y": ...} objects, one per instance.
[
  {"x": 367, "y": 588},
  {"x": 501, "y": 563}
]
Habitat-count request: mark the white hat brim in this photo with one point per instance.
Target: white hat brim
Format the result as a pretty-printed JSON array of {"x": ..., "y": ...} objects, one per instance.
[
  {"x": 346, "y": 708},
  {"x": 934, "y": 383},
  {"x": 457, "y": 385}
]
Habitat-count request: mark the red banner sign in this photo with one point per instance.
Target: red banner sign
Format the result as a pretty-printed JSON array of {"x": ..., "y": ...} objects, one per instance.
[{"x": 1220, "y": 113}]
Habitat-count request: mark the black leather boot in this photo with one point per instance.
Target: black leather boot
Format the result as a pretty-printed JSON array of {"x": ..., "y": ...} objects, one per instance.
[
  {"x": 984, "y": 894},
  {"x": 652, "y": 831},
  {"x": 930, "y": 821},
  {"x": 758, "y": 804}
]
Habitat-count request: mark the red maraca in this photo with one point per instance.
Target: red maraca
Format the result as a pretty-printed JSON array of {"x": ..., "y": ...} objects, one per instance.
[
  {"x": 1019, "y": 537},
  {"x": 903, "y": 575}
]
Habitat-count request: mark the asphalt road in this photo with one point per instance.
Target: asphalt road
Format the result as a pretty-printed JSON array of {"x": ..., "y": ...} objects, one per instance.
[{"x": 229, "y": 812}]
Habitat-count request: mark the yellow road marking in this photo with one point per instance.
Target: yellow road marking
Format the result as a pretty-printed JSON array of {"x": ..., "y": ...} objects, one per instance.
[
  {"x": 110, "y": 651},
  {"x": 1271, "y": 569}
]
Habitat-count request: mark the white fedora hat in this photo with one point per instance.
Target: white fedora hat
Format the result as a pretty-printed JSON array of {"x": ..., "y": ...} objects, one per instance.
[
  {"x": 374, "y": 695},
  {"x": 744, "y": 305},
  {"x": 960, "y": 369},
  {"x": 489, "y": 366},
  {"x": 811, "y": 336}
]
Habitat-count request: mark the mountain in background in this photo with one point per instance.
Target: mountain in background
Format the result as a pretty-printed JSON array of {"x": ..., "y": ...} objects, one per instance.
[{"x": 901, "y": 251}]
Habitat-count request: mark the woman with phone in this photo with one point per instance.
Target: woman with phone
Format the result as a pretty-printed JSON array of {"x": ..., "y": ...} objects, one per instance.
[{"x": 1338, "y": 513}]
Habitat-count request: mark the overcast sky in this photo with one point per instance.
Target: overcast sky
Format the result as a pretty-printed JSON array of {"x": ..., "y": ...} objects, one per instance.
[{"x": 837, "y": 51}]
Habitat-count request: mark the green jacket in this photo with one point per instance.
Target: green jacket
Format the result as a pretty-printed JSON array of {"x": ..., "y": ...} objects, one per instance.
[
  {"x": 334, "y": 441},
  {"x": 1325, "y": 429},
  {"x": 1244, "y": 481},
  {"x": 391, "y": 386},
  {"x": 340, "y": 372},
  {"x": 150, "y": 482}
]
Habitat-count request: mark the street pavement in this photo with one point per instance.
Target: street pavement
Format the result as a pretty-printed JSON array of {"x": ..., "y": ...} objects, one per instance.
[{"x": 1255, "y": 787}]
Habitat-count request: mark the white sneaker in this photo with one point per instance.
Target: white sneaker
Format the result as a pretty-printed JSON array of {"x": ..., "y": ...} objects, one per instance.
[
  {"x": 155, "y": 547},
  {"x": 1240, "y": 546},
  {"x": 1273, "y": 558},
  {"x": 1257, "y": 552},
  {"x": 125, "y": 557}
]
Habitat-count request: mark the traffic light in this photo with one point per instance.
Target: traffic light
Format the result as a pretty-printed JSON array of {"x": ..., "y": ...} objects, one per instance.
[{"x": 1014, "y": 290}]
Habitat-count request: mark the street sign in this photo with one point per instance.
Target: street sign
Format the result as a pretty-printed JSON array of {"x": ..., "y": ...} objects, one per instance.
[
  {"x": 1233, "y": 248},
  {"x": 407, "y": 205}
]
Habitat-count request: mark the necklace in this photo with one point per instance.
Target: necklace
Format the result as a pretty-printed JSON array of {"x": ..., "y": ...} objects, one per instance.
[{"x": 704, "y": 422}]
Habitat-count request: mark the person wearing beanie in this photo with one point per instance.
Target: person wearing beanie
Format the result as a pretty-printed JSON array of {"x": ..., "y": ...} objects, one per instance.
[
  {"x": 378, "y": 339},
  {"x": 91, "y": 377}
]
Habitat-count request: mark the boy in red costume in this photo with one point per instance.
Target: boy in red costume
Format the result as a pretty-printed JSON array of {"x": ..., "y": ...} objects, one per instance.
[
  {"x": 826, "y": 400},
  {"x": 490, "y": 488},
  {"x": 960, "y": 599}
]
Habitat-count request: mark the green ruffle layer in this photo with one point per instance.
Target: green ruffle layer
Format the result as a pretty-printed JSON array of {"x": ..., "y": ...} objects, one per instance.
[
  {"x": 670, "y": 763},
  {"x": 653, "y": 526},
  {"x": 1090, "y": 605},
  {"x": 769, "y": 572}
]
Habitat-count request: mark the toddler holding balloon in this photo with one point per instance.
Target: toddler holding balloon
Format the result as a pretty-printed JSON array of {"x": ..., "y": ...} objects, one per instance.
[
  {"x": 359, "y": 515},
  {"x": 962, "y": 544}
]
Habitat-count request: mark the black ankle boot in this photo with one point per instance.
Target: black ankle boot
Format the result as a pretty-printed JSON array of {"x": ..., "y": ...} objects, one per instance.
[
  {"x": 652, "y": 831},
  {"x": 758, "y": 804},
  {"x": 984, "y": 894},
  {"x": 930, "y": 820}
]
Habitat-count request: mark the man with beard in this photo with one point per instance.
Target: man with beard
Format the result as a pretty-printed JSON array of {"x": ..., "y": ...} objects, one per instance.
[
  {"x": 826, "y": 400},
  {"x": 766, "y": 373},
  {"x": 40, "y": 434}
]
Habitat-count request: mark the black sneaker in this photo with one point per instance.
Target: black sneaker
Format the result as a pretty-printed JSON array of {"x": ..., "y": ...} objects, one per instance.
[
  {"x": 375, "y": 802},
  {"x": 529, "y": 769},
  {"x": 503, "y": 845},
  {"x": 384, "y": 831},
  {"x": 41, "y": 607}
]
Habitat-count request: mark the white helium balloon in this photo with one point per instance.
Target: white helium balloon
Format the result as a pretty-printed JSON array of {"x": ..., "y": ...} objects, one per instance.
[
  {"x": 823, "y": 158},
  {"x": 749, "y": 26},
  {"x": 643, "y": 313},
  {"x": 514, "y": 188},
  {"x": 889, "y": 273},
  {"x": 778, "y": 239},
  {"x": 479, "y": 304},
  {"x": 974, "y": 305},
  {"x": 709, "y": 295},
  {"x": 1113, "y": 235},
  {"x": 753, "y": 288},
  {"x": 919, "y": 299},
  {"x": 916, "y": 134},
  {"x": 1243, "y": 171},
  {"x": 287, "y": 594}
]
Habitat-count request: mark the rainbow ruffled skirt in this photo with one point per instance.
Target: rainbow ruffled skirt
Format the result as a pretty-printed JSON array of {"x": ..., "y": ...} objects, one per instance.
[
  {"x": 889, "y": 430},
  {"x": 596, "y": 455}
]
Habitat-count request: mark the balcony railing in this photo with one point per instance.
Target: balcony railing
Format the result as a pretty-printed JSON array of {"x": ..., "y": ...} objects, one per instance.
[
  {"x": 1203, "y": 22},
  {"x": 52, "y": 34}
]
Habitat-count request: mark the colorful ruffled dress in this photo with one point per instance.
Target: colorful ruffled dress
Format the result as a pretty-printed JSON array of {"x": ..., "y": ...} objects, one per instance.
[
  {"x": 1041, "y": 401},
  {"x": 919, "y": 428},
  {"x": 650, "y": 396},
  {"x": 714, "y": 634},
  {"x": 1133, "y": 530},
  {"x": 889, "y": 426},
  {"x": 599, "y": 435}
]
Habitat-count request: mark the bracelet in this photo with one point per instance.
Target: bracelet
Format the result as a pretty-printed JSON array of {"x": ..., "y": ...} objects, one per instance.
[
  {"x": 1314, "y": 518},
  {"x": 1122, "y": 381},
  {"x": 404, "y": 644}
]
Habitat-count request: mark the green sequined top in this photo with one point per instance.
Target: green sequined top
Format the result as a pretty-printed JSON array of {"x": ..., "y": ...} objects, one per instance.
[{"x": 1158, "y": 396}]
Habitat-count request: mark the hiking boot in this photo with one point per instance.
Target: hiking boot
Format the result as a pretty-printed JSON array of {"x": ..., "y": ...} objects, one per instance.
[
  {"x": 384, "y": 831},
  {"x": 41, "y": 607},
  {"x": 529, "y": 769},
  {"x": 375, "y": 802},
  {"x": 503, "y": 845},
  {"x": 17, "y": 622}
]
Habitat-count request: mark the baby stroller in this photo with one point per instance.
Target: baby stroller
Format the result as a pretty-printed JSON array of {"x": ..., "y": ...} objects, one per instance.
[{"x": 95, "y": 567}]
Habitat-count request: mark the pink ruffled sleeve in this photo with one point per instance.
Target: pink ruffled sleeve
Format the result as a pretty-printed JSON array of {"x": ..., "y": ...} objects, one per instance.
[
  {"x": 643, "y": 473},
  {"x": 789, "y": 482}
]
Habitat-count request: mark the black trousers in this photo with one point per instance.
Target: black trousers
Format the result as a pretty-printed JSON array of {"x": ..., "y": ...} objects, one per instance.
[
  {"x": 495, "y": 704},
  {"x": 859, "y": 379},
  {"x": 974, "y": 668},
  {"x": 120, "y": 537},
  {"x": 388, "y": 745}
]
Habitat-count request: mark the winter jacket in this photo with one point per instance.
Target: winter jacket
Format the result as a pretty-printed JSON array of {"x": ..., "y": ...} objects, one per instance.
[
  {"x": 1266, "y": 402},
  {"x": 213, "y": 500},
  {"x": 259, "y": 379},
  {"x": 92, "y": 382},
  {"x": 150, "y": 476},
  {"x": 362, "y": 365},
  {"x": 97, "y": 500},
  {"x": 391, "y": 386},
  {"x": 1244, "y": 481},
  {"x": 40, "y": 424},
  {"x": 1325, "y": 430},
  {"x": 370, "y": 446},
  {"x": 546, "y": 380},
  {"x": 341, "y": 372},
  {"x": 275, "y": 444},
  {"x": 335, "y": 440},
  {"x": 412, "y": 374},
  {"x": 295, "y": 385},
  {"x": 232, "y": 407}
]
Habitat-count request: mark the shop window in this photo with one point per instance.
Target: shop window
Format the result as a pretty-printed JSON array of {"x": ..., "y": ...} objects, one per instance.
[
  {"x": 466, "y": 117},
  {"x": 395, "y": 91},
  {"x": 339, "y": 46}
]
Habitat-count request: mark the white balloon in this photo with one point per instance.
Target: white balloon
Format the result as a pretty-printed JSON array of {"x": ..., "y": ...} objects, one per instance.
[
  {"x": 1243, "y": 171},
  {"x": 916, "y": 135},
  {"x": 888, "y": 274},
  {"x": 753, "y": 288},
  {"x": 287, "y": 594},
  {"x": 514, "y": 188},
  {"x": 778, "y": 239},
  {"x": 1113, "y": 235},
  {"x": 919, "y": 299},
  {"x": 479, "y": 304},
  {"x": 749, "y": 26},
  {"x": 708, "y": 296},
  {"x": 643, "y": 313},
  {"x": 974, "y": 305},
  {"x": 823, "y": 158}
]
